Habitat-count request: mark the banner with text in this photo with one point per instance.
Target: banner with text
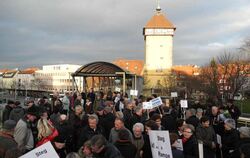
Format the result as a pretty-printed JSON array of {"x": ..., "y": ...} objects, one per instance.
[
  {"x": 44, "y": 151},
  {"x": 160, "y": 144}
]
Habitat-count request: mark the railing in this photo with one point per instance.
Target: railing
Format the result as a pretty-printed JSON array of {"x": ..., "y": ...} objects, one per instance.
[{"x": 244, "y": 121}]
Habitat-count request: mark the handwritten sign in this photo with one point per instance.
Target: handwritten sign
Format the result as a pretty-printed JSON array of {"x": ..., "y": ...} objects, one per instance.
[
  {"x": 160, "y": 144},
  {"x": 134, "y": 92},
  {"x": 117, "y": 89},
  {"x": 174, "y": 94},
  {"x": 184, "y": 103},
  {"x": 44, "y": 151},
  {"x": 146, "y": 105},
  {"x": 179, "y": 144}
]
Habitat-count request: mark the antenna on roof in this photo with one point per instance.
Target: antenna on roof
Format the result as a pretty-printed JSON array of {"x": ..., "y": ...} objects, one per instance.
[{"x": 158, "y": 6}]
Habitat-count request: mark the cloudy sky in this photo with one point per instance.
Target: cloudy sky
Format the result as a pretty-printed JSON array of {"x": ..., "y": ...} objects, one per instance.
[{"x": 39, "y": 32}]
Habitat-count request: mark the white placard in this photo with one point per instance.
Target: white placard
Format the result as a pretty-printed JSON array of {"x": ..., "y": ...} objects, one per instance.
[
  {"x": 156, "y": 102},
  {"x": 218, "y": 139},
  {"x": 117, "y": 89},
  {"x": 184, "y": 103},
  {"x": 134, "y": 92},
  {"x": 179, "y": 144},
  {"x": 147, "y": 105},
  {"x": 174, "y": 94},
  {"x": 200, "y": 146},
  {"x": 44, "y": 151},
  {"x": 160, "y": 144}
]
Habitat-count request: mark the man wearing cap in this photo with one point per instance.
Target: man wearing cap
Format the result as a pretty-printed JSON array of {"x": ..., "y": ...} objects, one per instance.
[
  {"x": 23, "y": 133},
  {"x": 7, "y": 141}
]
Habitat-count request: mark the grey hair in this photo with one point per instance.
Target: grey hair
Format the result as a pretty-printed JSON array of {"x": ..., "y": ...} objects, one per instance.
[
  {"x": 73, "y": 155},
  {"x": 93, "y": 117},
  {"x": 140, "y": 125},
  {"x": 137, "y": 109},
  {"x": 192, "y": 111}
]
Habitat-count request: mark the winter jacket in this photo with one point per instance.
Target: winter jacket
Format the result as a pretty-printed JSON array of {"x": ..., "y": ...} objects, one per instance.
[
  {"x": 7, "y": 142},
  {"x": 113, "y": 137},
  {"x": 230, "y": 139},
  {"x": 23, "y": 135},
  {"x": 110, "y": 151},
  {"x": 17, "y": 113},
  {"x": 126, "y": 148},
  {"x": 190, "y": 148}
]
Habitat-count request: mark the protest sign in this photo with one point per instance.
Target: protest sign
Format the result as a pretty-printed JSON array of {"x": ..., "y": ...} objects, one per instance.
[
  {"x": 160, "y": 144},
  {"x": 117, "y": 89},
  {"x": 146, "y": 105},
  {"x": 156, "y": 102},
  {"x": 44, "y": 151},
  {"x": 179, "y": 144},
  {"x": 184, "y": 103},
  {"x": 174, "y": 94},
  {"x": 134, "y": 92},
  {"x": 218, "y": 139}
]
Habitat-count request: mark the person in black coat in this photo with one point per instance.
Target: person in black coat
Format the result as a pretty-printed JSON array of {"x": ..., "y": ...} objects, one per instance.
[
  {"x": 230, "y": 139},
  {"x": 167, "y": 120},
  {"x": 191, "y": 118},
  {"x": 244, "y": 139},
  {"x": 190, "y": 144},
  {"x": 108, "y": 121},
  {"x": 89, "y": 131},
  {"x": 146, "y": 149},
  {"x": 124, "y": 145},
  {"x": 8, "y": 108}
]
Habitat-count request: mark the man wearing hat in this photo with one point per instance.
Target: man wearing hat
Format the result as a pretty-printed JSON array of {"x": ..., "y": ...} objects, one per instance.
[
  {"x": 7, "y": 141},
  {"x": 23, "y": 133}
]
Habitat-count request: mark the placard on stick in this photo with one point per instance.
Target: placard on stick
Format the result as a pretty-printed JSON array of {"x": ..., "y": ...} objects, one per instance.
[
  {"x": 160, "y": 144},
  {"x": 174, "y": 94},
  {"x": 184, "y": 103}
]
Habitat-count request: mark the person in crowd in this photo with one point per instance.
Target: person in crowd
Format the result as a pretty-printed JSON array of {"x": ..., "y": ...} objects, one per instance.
[
  {"x": 46, "y": 131},
  {"x": 17, "y": 112},
  {"x": 173, "y": 141},
  {"x": 199, "y": 113},
  {"x": 78, "y": 101},
  {"x": 77, "y": 120},
  {"x": 233, "y": 110},
  {"x": 109, "y": 94},
  {"x": 85, "y": 150},
  {"x": 13, "y": 153},
  {"x": 128, "y": 113},
  {"x": 206, "y": 134},
  {"x": 103, "y": 149},
  {"x": 244, "y": 151},
  {"x": 66, "y": 103},
  {"x": 99, "y": 102},
  {"x": 138, "y": 129},
  {"x": 84, "y": 96},
  {"x": 91, "y": 95},
  {"x": 168, "y": 121},
  {"x": 157, "y": 119},
  {"x": 72, "y": 155},
  {"x": 137, "y": 116},
  {"x": 88, "y": 106},
  {"x": 90, "y": 130},
  {"x": 146, "y": 149},
  {"x": 23, "y": 133},
  {"x": 47, "y": 105},
  {"x": 56, "y": 102},
  {"x": 124, "y": 145},
  {"x": 8, "y": 108},
  {"x": 119, "y": 125},
  {"x": 230, "y": 139},
  {"x": 108, "y": 121},
  {"x": 244, "y": 139},
  {"x": 7, "y": 141},
  {"x": 63, "y": 142},
  {"x": 119, "y": 114},
  {"x": 54, "y": 117},
  {"x": 180, "y": 123},
  {"x": 190, "y": 144},
  {"x": 191, "y": 117}
]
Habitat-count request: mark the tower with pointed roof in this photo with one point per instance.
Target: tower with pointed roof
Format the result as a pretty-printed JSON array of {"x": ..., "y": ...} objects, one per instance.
[{"x": 158, "y": 36}]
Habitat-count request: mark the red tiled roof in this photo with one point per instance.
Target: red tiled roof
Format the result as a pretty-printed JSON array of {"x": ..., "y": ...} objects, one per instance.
[
  {"x": 28, "y": 70},
  {"x": 159, "y": 21},
  {"x": 133, "y": 66}
]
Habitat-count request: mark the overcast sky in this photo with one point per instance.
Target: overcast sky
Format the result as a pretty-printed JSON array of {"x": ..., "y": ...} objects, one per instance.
[{"x": 42, "y": 32}]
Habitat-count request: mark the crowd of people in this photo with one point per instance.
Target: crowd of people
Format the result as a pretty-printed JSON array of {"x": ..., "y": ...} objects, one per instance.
[{"x": 111, "y": 125}]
